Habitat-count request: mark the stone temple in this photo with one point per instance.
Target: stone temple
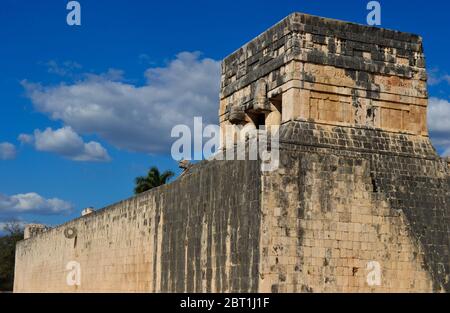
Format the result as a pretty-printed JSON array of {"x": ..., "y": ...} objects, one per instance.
[{"x": 359, "y": 190}]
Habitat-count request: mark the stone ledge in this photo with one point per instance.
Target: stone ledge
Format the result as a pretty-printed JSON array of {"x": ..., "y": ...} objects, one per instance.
[{"x": 356, "y": 139}]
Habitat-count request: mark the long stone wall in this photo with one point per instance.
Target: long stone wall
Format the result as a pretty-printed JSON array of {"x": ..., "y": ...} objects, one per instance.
[
  {"x": 332, "y": 208},
  {"x": 199, "y": 233}
]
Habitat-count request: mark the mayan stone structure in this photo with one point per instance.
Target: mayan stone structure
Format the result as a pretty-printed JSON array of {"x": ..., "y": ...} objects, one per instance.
[{"x": 359, "y": 184}]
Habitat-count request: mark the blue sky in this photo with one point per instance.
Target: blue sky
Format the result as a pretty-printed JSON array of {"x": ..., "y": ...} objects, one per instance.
[{"x": 85, "y": 109}]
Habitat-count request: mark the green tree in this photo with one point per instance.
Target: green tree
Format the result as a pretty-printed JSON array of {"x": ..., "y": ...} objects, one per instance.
[
  {"x": 14, "y": 233},
  {"x": 153, "y": 179}
]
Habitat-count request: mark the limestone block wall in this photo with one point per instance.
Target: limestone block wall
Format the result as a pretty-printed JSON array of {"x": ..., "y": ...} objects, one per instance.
[
  {"x": 198, "y": 234},
  {"x": 355, "y": 196},
  {"x": 331, "y": 72},
  {"x": 360, "y": 181}
]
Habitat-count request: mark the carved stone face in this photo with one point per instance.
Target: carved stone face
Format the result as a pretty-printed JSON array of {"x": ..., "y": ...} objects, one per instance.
[
  {"x": 237, "y": 115},
  {"x": 260, "y": 101}
]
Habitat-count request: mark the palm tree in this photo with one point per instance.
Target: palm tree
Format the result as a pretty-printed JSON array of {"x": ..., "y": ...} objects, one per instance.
[{"x": 153, "y": 179}]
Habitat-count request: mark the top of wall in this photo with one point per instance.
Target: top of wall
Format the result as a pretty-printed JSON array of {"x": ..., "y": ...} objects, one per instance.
[
  {"x": 205, "y": 169},
  {"x": 324, "y": 41}
]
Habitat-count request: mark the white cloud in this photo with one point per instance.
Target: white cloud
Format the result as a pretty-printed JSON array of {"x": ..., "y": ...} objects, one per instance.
[
  {"x": 66, "y": 142},
  {"x": 33, "y": 203},
  {"x": 7, "y": 151},
  {"x": 25, "y": 138},
  {"x": 111, "y": 74},
  {"x": 65, "y": 69},
  {"x": 439, "y": 123},
  {"x": 137, "y": 118},
  {"x": 10, "y": 224},
  {"x": 439, "y": 115},
  {"x": 18, "y": 222},
  {"x": 435, "y": 77},
  {"x": 13, "y": 221}
]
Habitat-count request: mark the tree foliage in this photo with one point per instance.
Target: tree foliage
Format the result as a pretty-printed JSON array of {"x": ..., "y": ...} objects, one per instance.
[
  {"x": 153, "y": 179},
  {"x": 13, "y": 234}
]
